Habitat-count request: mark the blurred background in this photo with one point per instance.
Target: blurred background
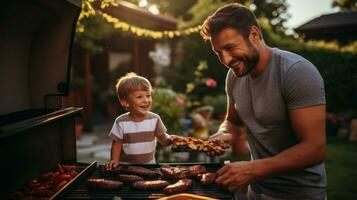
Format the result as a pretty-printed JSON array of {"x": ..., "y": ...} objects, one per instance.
[{"x": 159, "y": 39}]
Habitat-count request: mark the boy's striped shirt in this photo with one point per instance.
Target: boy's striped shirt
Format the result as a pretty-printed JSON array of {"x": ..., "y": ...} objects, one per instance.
[{"x": 138, "y": 138}]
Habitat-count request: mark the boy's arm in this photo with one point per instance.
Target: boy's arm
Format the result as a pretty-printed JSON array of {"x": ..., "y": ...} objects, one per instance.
[
  {"x": 165, "y": 139},
  {"x": 114, "y": 154}
]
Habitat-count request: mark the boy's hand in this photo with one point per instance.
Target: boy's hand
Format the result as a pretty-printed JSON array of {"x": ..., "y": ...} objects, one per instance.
[
  {"x": 111, "y": 165},
  {"x": 174, "y": 137}
]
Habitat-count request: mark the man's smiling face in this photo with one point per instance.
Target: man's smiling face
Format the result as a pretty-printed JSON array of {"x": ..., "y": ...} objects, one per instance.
[{"x": 234, "y": 51}]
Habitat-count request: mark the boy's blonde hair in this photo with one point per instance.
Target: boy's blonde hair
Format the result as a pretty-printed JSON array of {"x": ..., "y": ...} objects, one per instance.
[{"x": 129, "y": 83}]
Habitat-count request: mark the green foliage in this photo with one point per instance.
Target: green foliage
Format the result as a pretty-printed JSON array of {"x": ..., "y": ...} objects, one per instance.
[
  {"x": 166, "y": 104},
  {"x": 345, "y": 4},
  {"x": 340, "y": 169},
  {"x": 219, "y": 103},
  {"x": 91, "y": 30},
  {"x": 340, "y": 76},
  {"x": 275, "y": 11},
  {"x": 91, "y": 27},
  {"x": 176, "y": 9},
  {"x": 337, "y": 66},
  {"x": 183, "y": 70},
  {"x": 201, "y": 10}
]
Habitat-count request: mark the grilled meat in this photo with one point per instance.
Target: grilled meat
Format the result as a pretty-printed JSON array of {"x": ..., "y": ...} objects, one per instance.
[
  {"x": 178, "y": 172},
  {"x": 134, "y": 170},
  {"x": 181, "y": 172},
  {"x": 180, "y": 186},
  {"x": 103, "y": 184},
  {"x": 207, "y": 178},
  {"x": 150, "y": 185},
  {"x": 129, "y": 178},
  {"x": 210, "y": 147},
  {"x": 197, "y": 169},
  {"x": 103, "y": 170},
  {"x": 141, "y": 171}
]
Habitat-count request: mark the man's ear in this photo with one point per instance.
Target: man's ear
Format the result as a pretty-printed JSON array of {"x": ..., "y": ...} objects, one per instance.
[{"x": 254, "y": 34}]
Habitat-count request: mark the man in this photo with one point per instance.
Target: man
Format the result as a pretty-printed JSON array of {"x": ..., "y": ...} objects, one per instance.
[{"x": 278, "y": 98}]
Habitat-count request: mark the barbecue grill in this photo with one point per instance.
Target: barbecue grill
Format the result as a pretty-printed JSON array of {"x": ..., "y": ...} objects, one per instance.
[
  {"x": 81, "y": 192},
  {"x": 36, "y": 132}
]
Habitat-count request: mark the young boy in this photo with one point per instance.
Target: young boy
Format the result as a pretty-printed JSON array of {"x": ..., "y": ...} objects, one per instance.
[{"x": 134, "y": 133}]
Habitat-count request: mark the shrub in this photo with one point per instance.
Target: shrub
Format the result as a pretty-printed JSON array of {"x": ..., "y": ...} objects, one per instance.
[
  {"x": 170, "y": 106},
  {"x": 219, "y": 104}
]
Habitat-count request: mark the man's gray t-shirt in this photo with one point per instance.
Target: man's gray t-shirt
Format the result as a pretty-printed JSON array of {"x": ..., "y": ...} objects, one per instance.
[{"x": 289, "y": 82}]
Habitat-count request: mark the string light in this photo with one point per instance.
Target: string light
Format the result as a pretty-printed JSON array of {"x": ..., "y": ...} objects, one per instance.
[
  {"x": 142, "y": 32},
  {"x": 88, "y": 10}
]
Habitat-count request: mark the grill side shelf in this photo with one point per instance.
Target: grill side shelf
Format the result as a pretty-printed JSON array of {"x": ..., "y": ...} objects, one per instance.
[{"x": 75, "y": 182}]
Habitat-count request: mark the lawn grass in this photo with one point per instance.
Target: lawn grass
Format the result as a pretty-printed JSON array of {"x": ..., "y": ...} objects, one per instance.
[{"x": 341, "y": 169}]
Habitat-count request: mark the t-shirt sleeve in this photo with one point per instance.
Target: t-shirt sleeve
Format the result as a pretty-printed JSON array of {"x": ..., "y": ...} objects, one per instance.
[
  {"x": 160, "y": 128},
  {"x": 116, "y": 133},
  {"x": 303, "y": 86},
  {"x": 228, "y": 86}
]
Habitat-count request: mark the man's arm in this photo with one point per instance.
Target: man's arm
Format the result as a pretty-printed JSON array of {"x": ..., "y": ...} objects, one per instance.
[
  {"x": 309, "y": 125},
  {"x": 232, "y": 129}
]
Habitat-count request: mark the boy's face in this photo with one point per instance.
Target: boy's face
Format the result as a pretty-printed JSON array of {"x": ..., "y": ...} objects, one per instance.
[{"x": 139, "y": 102}]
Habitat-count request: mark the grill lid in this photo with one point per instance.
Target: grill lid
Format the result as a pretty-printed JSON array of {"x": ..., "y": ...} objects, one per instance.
[{"x": 35, "y": 52}]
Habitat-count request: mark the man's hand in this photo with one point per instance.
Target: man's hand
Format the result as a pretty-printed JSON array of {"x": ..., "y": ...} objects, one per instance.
[
  {"x": 111, "y": 165},
  {"x": 235, "y": 175},
  {"x": 222, "y": 136}
]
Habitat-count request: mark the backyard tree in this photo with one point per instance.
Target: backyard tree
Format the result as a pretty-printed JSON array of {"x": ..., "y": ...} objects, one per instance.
[{"x": 345, "y": 4}]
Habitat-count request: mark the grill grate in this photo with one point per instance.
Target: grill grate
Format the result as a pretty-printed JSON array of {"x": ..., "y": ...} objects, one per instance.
[
  {"x": 81, "y": 192},
  {"x": 84, "y": 171}
]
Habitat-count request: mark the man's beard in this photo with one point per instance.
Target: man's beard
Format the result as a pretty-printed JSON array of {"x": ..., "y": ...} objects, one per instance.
[{"x": 250, "y": 61}]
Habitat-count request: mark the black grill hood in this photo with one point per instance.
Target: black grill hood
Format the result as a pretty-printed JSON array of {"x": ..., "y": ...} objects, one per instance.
[
  {"x": 36, "y": 132},
  {"x": 35, "y": 53}
]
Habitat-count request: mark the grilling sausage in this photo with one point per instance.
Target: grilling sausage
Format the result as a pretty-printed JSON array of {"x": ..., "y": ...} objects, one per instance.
[
  {"x": 197, "y": 169},
  {"x": 207, "y": 178},
  {"x": 178, "y": 172},
  {"x": 141, "y": 171},
  {"x": 129, "y": 178},
  {"x": 150, "y": 185},
  {"x": 116, "y": 170},
  {"x": 180, "y": 186},
  {"x": 181, "y": 172},
  {"x": 103, "y": 184},
  {"x": 167, "y": 170}
]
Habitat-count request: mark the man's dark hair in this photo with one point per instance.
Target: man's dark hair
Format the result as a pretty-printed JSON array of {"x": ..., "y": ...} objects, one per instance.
[{"x": 234, "y": 16}]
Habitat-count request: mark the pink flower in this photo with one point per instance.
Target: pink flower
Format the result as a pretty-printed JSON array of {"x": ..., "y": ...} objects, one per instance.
[
  {"x": 211, "y": 83},
  {"x": 180, "y": 101}
]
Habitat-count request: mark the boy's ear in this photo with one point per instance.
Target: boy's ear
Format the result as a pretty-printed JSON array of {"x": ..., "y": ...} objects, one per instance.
[{"x": 124, "y": 103}]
